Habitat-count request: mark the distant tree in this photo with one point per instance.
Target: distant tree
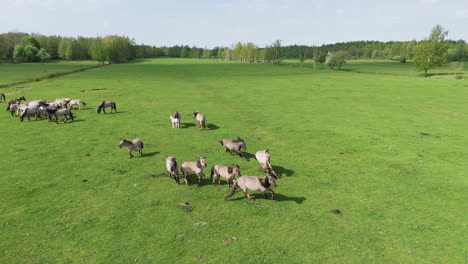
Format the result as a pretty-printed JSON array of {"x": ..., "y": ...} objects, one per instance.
[
  {"x": 303, "y": 54},
  {"x": 337, "y": 59},
  {"x": 30, "y": 40},
  {"x": 207, "y": 53},
  {"x": 43, "y": 55},
  {"x": 322, "y": 57},
  {"x": 18, "y": 53},
  {"x": 432, "y": 51},
  {"x": 276, "y": 51}
]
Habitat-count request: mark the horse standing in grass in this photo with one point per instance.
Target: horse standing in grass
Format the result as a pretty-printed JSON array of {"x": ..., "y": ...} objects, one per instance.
[
  {"x": 254, "y": 184},
  {"x": 194, "y": 167},
  {"x": 171, "y": 165},
  {"x": 28, "y": 111},
  {"x": 135, "y": 144},
  {"x": 234, "y": 145},
  {"x": 201, "y": 120},
  {"x": 2, "y": 97},
  {"x": 102, "y": 106},
  {"x": 227, "y": 172},
  {"x": 175, "y": 120}
]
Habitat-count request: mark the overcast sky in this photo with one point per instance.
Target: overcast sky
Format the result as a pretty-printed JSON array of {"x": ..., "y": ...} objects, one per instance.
[{"x": 209, "y": 23}]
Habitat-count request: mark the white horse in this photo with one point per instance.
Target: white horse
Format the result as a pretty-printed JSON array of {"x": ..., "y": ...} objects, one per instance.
[
  {"x": 175, "y": 122},
  {"x": 76, "y": 102},
  {"x": 194, "y": 167}
]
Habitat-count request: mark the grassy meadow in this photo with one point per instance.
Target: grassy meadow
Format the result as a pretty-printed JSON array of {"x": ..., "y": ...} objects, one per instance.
[
  {"x": 387, "y": 150},
  {"x": 14, "y": 73}
]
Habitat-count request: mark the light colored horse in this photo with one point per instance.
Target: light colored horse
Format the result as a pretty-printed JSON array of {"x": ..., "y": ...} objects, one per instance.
[
  {"x": 194, "y": 167},
  {"x": 61, "y": 112},
  {"x": 175, "y": 121},
  {"x": 62, "y": 102},
  {"x": 76, "y": 102},
  {"x": 227, "y": 172},
  {"x": 234, "y": 145},
  {"x": 102, "y": 106},
  {"x": 14, "y": 109},
  {"x": 263, "y": 157},
  {"x": 171, "y": 165},
  {"x": 37, "y": 103},
  {"x": 135, "y": 144},
  {"x": 28, "y": 111},
  {"x": 201, "y": 120},
  {"x": 254, "y": 184}
]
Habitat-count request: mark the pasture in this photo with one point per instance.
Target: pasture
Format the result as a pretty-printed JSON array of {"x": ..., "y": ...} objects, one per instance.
[{"x": 386, "y": 150}]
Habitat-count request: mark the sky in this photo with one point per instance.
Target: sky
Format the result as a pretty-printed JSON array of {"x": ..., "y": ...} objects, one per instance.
[{"x": 209, "y": 23}]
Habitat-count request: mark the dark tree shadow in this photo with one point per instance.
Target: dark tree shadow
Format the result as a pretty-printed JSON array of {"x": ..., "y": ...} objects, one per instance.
[
  {"x": 280, "y": 170},
  {"x": 212, "y": 127},
  {"x": 278, "y": 197},
  {"x": 150, "y": 154},
  {"x": 187, "y": 125}
]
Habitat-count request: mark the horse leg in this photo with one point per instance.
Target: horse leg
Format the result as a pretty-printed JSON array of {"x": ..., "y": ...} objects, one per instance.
[
  {"x": 186, "y": 178},
  {"x": 130, "y": 153},
  {"x": 247, "y": 195},
  {"x": 272, "y": 194}
]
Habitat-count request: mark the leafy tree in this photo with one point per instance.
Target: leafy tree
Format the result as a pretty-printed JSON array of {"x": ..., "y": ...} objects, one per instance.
[
  {"x": 432, "y": 51},
  {"x": 322, "y": 57},
  {"x": 337, "y": 59},
  {"x": 43, "y": 55},
  {"x": 18, "y": 54},
  {"x": 276, "y": 51}
]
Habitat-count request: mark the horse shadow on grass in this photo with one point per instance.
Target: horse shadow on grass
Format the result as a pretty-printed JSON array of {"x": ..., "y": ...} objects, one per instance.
[
  {"x": 278, "y": 197},
  {"x": 212, "y": 127},
  {"x": 150, "y": 154},
  {"x": 280, "y": 171},
  {"x": 187, "y": 125}
]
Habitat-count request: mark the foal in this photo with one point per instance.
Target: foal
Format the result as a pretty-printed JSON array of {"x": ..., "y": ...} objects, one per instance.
[
  {"x": 195, "y": 167},
  {"x": 135, "y": 144},
  {"x": 200, "y": 119},
  {"x": 175, "y": 120}
]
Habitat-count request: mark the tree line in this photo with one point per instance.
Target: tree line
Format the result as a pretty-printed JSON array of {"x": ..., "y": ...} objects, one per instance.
[{"x": 23, "y": 47}]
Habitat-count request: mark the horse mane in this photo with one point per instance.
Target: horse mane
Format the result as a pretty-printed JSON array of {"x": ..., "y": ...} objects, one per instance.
[{"x": 230, "y": 169}]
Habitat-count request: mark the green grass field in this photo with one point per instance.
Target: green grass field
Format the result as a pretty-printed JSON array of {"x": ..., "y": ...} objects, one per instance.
[
  {"x": 388, "y": 151},
  {"x": 12, "y": 73}
]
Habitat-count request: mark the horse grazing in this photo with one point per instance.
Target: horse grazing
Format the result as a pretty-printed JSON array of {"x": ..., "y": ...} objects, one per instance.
[
  {"x": 171, "y": 165},
  {"x": 233, "y": 145},
  {"x": 200, "y": 119},
  {"x": 76, "y": 102},
  {"x": 263, "y": 157},
  {"x": 135, "y": 144},
  {"x": 102, "y": 106},
  {"x": 254, "y": 184},
  {"x": 195, "y": 167},
  {"x": 175, "y": 120},
  {"x": 2, "y": 97},
  {"x": 60, "y": 112},
  {"x": 228, "y": 172},
  {"x": 15, "y": 101}
]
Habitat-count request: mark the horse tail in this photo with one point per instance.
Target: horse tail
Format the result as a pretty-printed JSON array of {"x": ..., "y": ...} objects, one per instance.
[
  {"x": 115, "y": 106},
  {"x": 23, "y": 114},
  {"x": 8, "y": 106},
  {"x": 232, "y": 191},
  {"x": 3, "y": 96},
  {"x": 141, "y": 144},
  {"x": 71, "y": 115}
]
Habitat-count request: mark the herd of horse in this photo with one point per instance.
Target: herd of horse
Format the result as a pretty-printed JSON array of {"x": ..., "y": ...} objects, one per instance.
[{"x": 64, "y": 106}]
